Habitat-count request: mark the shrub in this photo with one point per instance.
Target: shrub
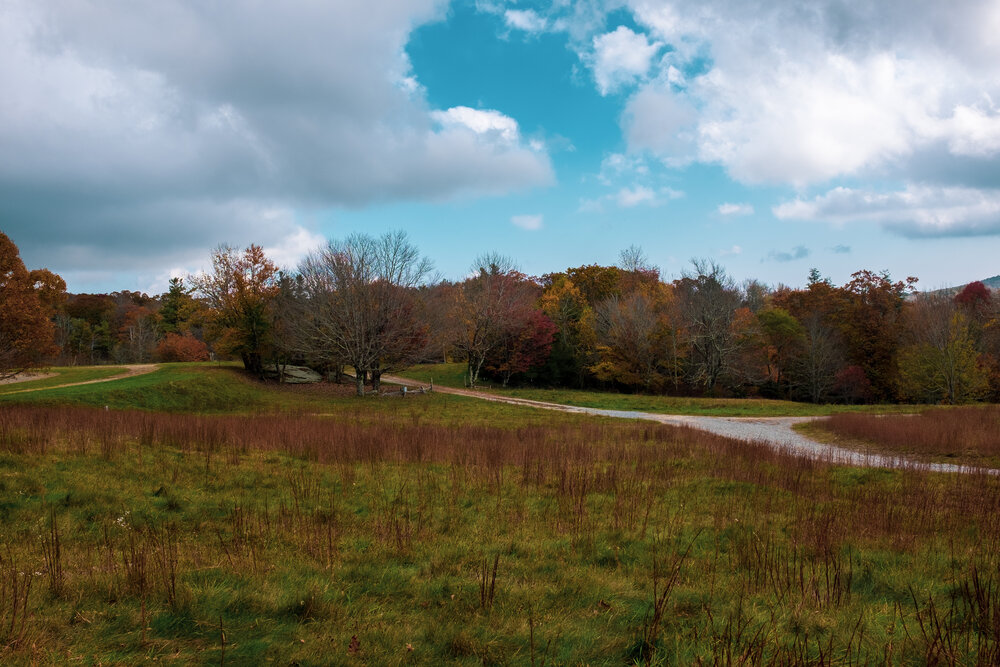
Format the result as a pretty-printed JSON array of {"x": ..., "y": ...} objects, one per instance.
[{"x": 175, "y": 347}]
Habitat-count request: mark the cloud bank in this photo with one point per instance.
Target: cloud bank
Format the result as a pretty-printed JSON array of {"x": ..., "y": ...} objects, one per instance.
[{"x": 138, "y": 130}]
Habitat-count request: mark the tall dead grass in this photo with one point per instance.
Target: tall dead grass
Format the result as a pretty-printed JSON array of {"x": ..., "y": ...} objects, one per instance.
[
  {"x": 972, "y": 431},
  {"x": 593, "y": 479}
]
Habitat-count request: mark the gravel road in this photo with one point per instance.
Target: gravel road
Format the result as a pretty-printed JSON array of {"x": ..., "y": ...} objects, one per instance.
[{"x": 774, "y": 431}]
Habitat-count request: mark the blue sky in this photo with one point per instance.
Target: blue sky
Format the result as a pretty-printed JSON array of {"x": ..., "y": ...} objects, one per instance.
[{"x": 770, "y": 136}]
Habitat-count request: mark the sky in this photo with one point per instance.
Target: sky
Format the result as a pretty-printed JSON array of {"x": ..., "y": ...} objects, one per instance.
[{"x": 771, "y": 136}]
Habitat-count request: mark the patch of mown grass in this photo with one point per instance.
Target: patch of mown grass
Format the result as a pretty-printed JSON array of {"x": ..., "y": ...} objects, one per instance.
[
  {"x": 453, "y": 375},
  {"x": 64, "y": 375},
  {"x": 302, "y": 540},
  {"x": 206, "y": 388}
]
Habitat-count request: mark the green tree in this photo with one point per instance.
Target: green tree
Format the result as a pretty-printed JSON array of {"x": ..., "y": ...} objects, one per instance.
[{"x": 942, "y": 363}]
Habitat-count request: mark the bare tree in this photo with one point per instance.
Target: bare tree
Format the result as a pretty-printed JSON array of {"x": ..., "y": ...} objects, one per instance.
[
  {"x": 708, "y": 300},
  {"x": 813, "y": 371},
  {"x": 358, "y": 304}
]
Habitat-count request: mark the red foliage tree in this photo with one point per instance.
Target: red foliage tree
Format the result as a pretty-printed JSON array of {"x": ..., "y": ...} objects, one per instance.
[
  {"x": 525, "y": 345},
  {"x": 175, "y": 347}
]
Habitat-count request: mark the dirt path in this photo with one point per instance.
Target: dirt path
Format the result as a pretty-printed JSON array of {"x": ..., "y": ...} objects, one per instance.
[
  {"x": 774, "y": 431},
  {"x": 133, "y": 370},
  {"x": 26, "y": 377}
]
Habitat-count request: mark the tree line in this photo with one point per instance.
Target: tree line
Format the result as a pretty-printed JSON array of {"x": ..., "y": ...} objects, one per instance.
[{"x": 370, "y": 304}]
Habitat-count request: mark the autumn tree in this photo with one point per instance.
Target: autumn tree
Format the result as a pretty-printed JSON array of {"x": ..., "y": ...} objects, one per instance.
[
  {"x": 941, "y": 361},
  {"x": 812, "y": 367},
  {"x": 358, "y": 304},
  {"x": 239, "y": 290},
  {"x": 783, "y": 337},
  {"x": 708, "y": 300},
  {"x": 26, "y": 332},
  {"x": 630, "y": 341},
  {"x": 137, "y": 334},
  {"x": 51, "y": 289},
  {"x": 443, "y": 329},
  {"x": 526, "y": 344},
  {"x": 488, "y": 305},
  {"x": 181, "y": 347},
  {"x": 573, "y": 349},
  {"x": 870, "y": 321}
]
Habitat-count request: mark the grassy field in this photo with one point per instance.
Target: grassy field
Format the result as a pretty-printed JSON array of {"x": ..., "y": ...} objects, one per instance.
[
  {"x": 202, "y": 388},
  {"x": 64, "y": 375},
  {"x": 436, "y": 529},
  {"x": 453, "y": 375}
]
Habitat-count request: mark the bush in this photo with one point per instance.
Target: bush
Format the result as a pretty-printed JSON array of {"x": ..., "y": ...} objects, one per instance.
[{"x": 175, "y": 347}]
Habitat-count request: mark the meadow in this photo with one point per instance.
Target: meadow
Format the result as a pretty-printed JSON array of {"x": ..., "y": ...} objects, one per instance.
[{"x": 206, "y": 518}]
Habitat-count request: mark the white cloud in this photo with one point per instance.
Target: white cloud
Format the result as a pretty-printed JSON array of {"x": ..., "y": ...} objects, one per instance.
[
  {"x": 289, "y": 250},
  {"x": 975, "y": 131},
  {"x": 630, "y": 197},
  {"x": 779, "y": 91},
  {"x": 661, "y": 121},
  {"x": 119, "y": 112},
  {"x": 735, "y": 250},
  {"x": 527, "y": 20},
  {"x": 914, "y": 211},
  {"x": 735, "y": 209},
  {"x": 481, "y": 121},
  {"x": 620, "y": 165},
  {"x": 620, "y": 57},
  {"x": 529, "y": 222}
]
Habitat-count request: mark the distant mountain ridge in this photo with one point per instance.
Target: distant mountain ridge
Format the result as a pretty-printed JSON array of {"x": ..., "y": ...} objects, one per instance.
[{"x": 991, "y": 283}]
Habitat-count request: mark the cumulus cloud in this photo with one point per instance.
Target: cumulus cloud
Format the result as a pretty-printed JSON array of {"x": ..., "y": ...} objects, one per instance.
[
  {"x": 802, "y": 93},
  {"x": 663, "y": 122},
  {"x": 530, "y": 222},
  {"x": 914, "y": 211},
  {"x": 735, "y": 209},
  {"x": 527, "y": 20},
  {"x": 130, "y": 131},
  {"x": 620, "y": 57},
  {"x": 735, "y": 250},
  {"x": 798, "y": 252},
  {"x": 841, "y": 249},
  {"x": 486, "y": 122}
]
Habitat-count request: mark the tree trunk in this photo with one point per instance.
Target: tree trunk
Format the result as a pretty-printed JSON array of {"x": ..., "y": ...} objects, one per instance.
[{"x": 359, "y": 382}]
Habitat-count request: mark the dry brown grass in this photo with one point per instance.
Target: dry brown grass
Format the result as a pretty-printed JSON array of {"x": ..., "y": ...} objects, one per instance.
[
  {"x": 780, "y": 543},
  {"x": 971, "y": 433}
]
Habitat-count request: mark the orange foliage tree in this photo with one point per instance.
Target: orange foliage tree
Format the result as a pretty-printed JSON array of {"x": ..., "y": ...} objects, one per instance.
[
  {"x": 240, "y": 290},
  {"x": 177, "y": 347},
  {"x": 26, "y": 333}
]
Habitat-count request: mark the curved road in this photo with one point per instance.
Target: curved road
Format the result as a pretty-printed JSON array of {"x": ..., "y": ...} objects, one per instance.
[{"x": 774, "y": 431}]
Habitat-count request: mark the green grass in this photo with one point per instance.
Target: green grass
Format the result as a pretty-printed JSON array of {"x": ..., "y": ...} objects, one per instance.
[
  {"x": 453, "y": 374},
  {"x": 64, "y": 375},
  {"x": 290, "y": 558},
  {"x": 208, "y": 388},
  {"x": 379, "y": 530}
]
